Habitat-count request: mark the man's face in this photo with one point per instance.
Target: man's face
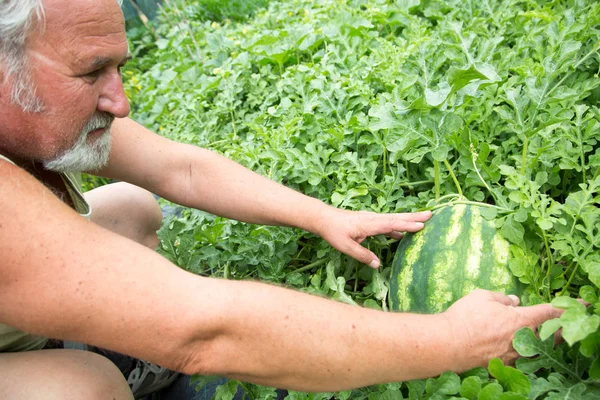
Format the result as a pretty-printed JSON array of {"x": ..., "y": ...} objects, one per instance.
[{"x": 74, "y": 63}]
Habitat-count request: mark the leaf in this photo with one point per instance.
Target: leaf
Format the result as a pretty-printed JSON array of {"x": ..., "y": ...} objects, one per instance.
[
  {"x": 448, "y": 383},
  {"x": 510, "y": 378},
  {"x": 470, "y": 387},
  {"x": 383, "y": 115},
  {"x": 479, "y": 72},
  {"x": 557, "y": 387},
  {"x": 593, "y": 270},
  {"x": 491, "y": 391},
  {"x": 227, "y": 390},
  {"x": 590, "y": 345},
  {"x": 542, "y": 354},
  {"x": 567, "y": 303},
  {"x": 435, "y": 98},
  {"x": 549, "y": 327},
  {"x": 577, "y": 325},
  {"x": 512, "y": 230}
]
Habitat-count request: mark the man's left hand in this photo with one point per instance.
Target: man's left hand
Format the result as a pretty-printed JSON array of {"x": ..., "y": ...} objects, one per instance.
[{"x": 346, "y": 230}]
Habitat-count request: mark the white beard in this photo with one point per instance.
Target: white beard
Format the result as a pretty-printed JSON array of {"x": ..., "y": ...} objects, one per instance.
[{"x": 84, "y": 156}]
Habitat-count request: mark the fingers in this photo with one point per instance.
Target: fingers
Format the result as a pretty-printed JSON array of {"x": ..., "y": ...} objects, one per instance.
[
  {"x": 515, "y": 300},
  {"x": 507, "y": 300},
  {"x": 395, "y": 235},
  {"x": 533, "y": 316},
  {"x": 538, "y": 314},
  {"x": 360, "y": 253},
  {"x": 415, "y": 217},
  {"x": 393, "y": 224}
]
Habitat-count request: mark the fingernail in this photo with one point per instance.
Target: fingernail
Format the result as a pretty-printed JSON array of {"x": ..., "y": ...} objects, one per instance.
[{"x": 374, "y": 264}]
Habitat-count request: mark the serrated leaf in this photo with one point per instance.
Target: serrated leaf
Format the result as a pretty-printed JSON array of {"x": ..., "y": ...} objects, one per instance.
[{"x": 541, "y": 354}]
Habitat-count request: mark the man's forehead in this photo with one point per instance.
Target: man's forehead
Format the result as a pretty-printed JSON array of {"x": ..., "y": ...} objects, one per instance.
[
  {"x": 84, "y": 16},
  {"x": 84, "y": 27}
]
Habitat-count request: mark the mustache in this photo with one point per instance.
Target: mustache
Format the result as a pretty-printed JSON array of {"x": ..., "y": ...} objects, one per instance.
[{"x": 99, "y": 120}]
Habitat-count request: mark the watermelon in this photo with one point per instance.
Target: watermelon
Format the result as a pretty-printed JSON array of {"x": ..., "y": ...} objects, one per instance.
[{"x": 455, "y": 253}]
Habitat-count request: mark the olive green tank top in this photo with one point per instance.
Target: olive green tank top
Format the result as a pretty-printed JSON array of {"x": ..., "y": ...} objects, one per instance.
[{"x": 11, "y": 339}]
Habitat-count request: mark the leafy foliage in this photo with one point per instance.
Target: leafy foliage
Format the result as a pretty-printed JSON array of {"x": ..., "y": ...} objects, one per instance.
[{"x": 398, "y": 106}]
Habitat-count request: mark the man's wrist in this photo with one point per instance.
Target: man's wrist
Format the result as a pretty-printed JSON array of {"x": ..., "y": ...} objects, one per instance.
[{"x": 314, "y": 217}]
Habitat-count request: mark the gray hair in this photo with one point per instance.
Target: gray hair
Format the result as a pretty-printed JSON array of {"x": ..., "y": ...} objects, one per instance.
[{"x": 17, "y": 19}]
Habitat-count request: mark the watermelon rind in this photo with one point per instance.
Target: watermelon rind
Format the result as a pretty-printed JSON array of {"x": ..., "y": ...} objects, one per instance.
[{"x": 456, "y": 252}]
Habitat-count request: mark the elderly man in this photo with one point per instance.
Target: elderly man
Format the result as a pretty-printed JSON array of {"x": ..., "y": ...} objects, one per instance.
[{"x": 82, "y": 268}]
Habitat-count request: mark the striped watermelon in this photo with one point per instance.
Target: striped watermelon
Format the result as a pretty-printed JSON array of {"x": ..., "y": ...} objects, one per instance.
[{"x": 457, "y": 252}]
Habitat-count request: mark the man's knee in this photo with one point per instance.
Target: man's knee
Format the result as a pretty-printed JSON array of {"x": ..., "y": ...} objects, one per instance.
[
  {"x": 60, "y": 374},
  {"x": 128, "y": 210}
]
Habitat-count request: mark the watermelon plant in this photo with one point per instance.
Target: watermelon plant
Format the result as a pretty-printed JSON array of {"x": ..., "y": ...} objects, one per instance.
[{"x": 399, "y": 105}]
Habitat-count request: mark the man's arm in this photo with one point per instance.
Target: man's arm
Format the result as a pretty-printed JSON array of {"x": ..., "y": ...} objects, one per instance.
[
  {"x": 199, "y": 178},
  {"x": 64, "y": 277}
]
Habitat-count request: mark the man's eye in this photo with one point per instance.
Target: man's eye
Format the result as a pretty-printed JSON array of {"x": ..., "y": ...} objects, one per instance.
[{"x": 93, "y": 75}]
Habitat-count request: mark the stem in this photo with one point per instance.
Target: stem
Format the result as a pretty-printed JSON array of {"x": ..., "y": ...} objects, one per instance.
[
  {"x": 233, "y": 124},
  {"x": 596, "y": 174},
  {"x": 473, "y": 157},
  {"x": 436, "y": 178},
  {"x": 583, "y": 256},
  {"x": 524, "y": 155},
  {"x": 187, "y": 25},
  {"x": 226, "y": 270},
  {"x": 417, "y": 183},
  {"x": 564, "y": 289},
  {"x": 384, "y": 160},
  {"x": 460, "y": 193},
  {"x": 467, "y": 202},
  {"x": 588, "y": 55},
  {"x": 447, "y": 196},
  {"x": 581, "y": 154},
  {"x": 310, "y": 266},
  {"x": 246, "y": 390},
  {"x": 550, "y": 262},
  {"x": 143, "y": 18}
]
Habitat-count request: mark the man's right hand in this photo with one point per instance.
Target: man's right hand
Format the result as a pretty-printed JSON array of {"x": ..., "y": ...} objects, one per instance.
[{"x": 484, "y": 324}]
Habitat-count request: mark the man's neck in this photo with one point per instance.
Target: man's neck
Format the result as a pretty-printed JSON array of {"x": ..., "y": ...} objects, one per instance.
[{"x": 52, "y": 180}]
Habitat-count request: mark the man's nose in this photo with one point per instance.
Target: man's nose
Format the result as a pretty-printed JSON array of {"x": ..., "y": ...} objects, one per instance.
[{"x": 112, "y": 98}]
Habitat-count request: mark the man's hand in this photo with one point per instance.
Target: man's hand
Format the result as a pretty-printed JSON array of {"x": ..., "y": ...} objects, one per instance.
[
  {"x": 484, "y": 324},
  {"x": 345, "y": 230}
]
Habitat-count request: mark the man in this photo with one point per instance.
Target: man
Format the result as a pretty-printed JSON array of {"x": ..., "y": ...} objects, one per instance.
[{"x": 99, "y": 282}]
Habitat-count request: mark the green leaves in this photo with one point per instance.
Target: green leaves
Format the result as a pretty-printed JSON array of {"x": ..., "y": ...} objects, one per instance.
[
  {"x": 575, "y": 322},
  {"x": 394, "y": 106},
  {"x": 510, "y": 378}
]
